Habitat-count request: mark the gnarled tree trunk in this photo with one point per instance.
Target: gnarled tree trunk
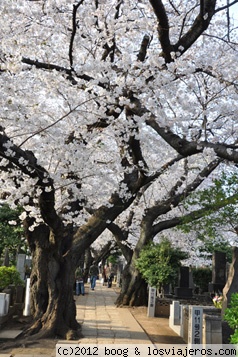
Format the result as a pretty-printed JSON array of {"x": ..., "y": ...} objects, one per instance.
[
  {"x": 52, "y": 281},
  {"x": 134, "y": 288}
]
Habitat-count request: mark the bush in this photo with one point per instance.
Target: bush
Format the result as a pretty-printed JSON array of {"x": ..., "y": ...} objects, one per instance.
[
  {"x": 231, "y": 316},
  {"x": 159, "y": 263},
  {"x": 202, "y": 277},
  {"x": 9, "y": 276}
]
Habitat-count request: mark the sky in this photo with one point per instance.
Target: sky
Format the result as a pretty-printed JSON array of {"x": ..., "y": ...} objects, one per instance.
[{"x": 234, "y": 11}]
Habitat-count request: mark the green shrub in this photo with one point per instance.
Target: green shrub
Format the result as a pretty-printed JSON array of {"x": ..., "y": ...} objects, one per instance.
[
  {"x": 9, "y": 276},
  {"x": 159, "y": 263},
  {"x": 231, "y": 316},
  {"x": 202, "y": 277}
]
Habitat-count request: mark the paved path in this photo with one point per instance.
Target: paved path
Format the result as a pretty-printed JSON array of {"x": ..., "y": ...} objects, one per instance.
[{"x": 102, "y": 322}]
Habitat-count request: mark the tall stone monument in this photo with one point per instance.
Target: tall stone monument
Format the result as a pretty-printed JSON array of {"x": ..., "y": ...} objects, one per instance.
[
  {"x": 21, "y": 262},
  {"x": 183, "y": 290}
]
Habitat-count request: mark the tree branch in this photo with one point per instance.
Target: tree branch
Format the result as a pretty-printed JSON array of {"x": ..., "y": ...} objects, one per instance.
[
  {"x": 143, "y": 48},
  {"x": 227, "y": 6},
  {"x": 68, "y": 71},
  {"x": 27, "y": 163},
  {"x": 163, "y": 207},
  {"x": 74, "y": 30},
  {"x": 192, "y": 216},
  {"x": 120, "y": 237},
  {"x": 163, "y": 29},
  {"x": 181, "y": 145},
  {"x": 200, "y": 24},
  {"x": 189, "y": 148}
]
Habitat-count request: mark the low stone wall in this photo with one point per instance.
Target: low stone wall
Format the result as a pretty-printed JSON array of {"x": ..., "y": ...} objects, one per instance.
[
  {"x": 193, "y": 323},
  {"x": 162, "y": 307},
  {"x": 212, "y": 329}
]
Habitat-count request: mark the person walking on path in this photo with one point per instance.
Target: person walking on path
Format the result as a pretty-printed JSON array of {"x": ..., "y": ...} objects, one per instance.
[
  {"x": 79, "y": 282},
  {"x": 93, "y": 272}
]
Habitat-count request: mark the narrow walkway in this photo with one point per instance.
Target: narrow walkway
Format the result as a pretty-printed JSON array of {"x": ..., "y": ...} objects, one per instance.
[{"x": 103, "y": 323}]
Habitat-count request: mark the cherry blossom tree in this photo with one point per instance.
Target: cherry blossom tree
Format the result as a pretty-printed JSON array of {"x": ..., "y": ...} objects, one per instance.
[
  {"x": 156, "y": 216},
  {"x": 98, "y": 99}
]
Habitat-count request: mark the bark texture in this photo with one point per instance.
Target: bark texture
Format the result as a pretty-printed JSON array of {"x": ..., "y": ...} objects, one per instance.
[
  {"x": 52, "y": 281},
  {"x": 134, "y": 288}
]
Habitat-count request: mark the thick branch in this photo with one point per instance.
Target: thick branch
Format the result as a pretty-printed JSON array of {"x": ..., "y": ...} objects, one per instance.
[
  {"x": 192, "y": 216},
  {"x": 163, "y": 168},
  {"x": 68, "y": 71},
  {"x": 27, "y": 163},
  {"x": 120, "y": 237},
  {"x": 181, "y": 145},
  {"x": 143, "y": 48},
  {"x": 163, "y": 29},
  {"x": 74, "y": 30},
  {"x": 189, "y": 148},
  {"x": 163, "y": 207},
  {"x": 200, "y": 24}
]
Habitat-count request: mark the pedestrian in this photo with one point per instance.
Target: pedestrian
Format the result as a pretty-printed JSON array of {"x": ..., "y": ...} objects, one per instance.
[
  {"x": 93, "y": 273},
  {"x": 79, "y": 281}
]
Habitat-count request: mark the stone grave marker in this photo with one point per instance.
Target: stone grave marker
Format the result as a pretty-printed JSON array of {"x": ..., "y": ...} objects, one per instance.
[
  {"x": 4, "y": 303},
  {"x": 195, "y": 325},
  {"x": 151, "y": 302},
  {"x": 183, "y": 290},
  {"x": 21, "y": 262},
  {"x": 218, "y": 272},
  {"x": 27, "y": 309}
]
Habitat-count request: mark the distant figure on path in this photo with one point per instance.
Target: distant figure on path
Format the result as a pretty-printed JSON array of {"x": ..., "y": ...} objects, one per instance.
[
  {"x": 93, "y": 272},
  {"x": 79, "y": 276}
]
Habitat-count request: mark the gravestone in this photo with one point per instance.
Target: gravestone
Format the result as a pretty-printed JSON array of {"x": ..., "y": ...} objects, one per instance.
[
  {"x": 21, "y": 262},
  {"x": 167, "y": 291},
  {"x": 195, "y": 325},
  {"x": 183, "y": 290},
  {"x": 151, "y": 302},
  {"x": 191, "y": 282},
  {"x": 218, "y": 272},
  {"x": 27, "y": 307},
  {"x": 4, "y": 303},
  {"x": 174, "y": 318}
]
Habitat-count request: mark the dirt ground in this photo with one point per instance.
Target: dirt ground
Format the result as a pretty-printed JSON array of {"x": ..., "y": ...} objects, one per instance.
[
  {"x": 156, "y": 328},
  {"x": 25, "y": 345}
]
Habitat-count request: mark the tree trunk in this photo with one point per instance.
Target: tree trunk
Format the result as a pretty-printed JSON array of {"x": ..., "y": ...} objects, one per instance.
[
  {"x": 232, "y": 281},
  {"x": 134, "y": 288},
  {"x": 39, "y": 273},
  {"x": 52, "y": 281}
]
